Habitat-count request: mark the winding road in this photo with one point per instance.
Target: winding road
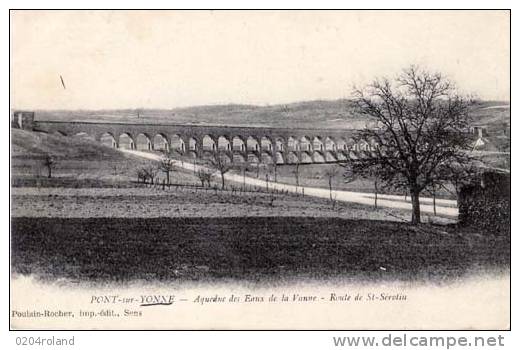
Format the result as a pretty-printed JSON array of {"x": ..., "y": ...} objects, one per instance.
[{"x": 444, "y": 207}]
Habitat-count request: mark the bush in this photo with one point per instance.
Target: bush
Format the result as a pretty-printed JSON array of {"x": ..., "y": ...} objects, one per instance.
[{"x": 487, "y": 205}]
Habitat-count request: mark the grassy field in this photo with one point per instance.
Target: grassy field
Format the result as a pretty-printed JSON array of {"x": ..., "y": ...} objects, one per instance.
[{"x": 261, "y": 248}]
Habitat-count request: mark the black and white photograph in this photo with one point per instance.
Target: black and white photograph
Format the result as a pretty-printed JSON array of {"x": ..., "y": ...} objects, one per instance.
[{"x": 260, "y": 169}]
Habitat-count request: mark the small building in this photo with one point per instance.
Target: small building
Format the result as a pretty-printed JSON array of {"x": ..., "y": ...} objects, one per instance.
[
  {"x": 22, "y": 120},
  {"x": 479, "y": 130}
]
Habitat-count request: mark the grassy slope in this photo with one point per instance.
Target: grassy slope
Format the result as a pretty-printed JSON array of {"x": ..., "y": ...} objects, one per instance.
[
  {"x": 26, "y": 144},
  {"x": 79, "y": 162}
]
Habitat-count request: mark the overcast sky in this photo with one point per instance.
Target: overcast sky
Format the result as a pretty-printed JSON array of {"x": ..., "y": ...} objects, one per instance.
[{"x": 173, "y": 59}]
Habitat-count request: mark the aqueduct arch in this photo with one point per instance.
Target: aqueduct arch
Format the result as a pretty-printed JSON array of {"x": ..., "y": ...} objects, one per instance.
[
  {"x": 160, "y": 143},
  {"x": 126, "y": 141},
  {"x": 208, "y": 143},
  {"x": 252, "y": 144},
  {"x": 279, "y": 158},
  {"x": 305, "y": 157},
  {"x": 193, "y": 144},
  {"x": 239, "y": 144},
  {"x": 292, "y": 158},
  {"x": 143, "y": 142},
  {"x": 318, "y": 157},
  {"x": 224, "y": 144},
  {"x": 305, "y": 144},
  {"x": 292, "y": 144},
  {"x": 266, "y": 144},
  {"x": 108, "y": 139},
  {"x": 341, "y": 144},
  {"x": 317, "y": 144},
  {"x": 330, "y": 157},
  {"x": 177, "y": 144},
  {"x": 239, "y": 158},
  {"x": 330, "y": 145},
  {"x": 280, "y": 144},
  {"x": 266, "y": 158},
  {"x": 252, "y": 158}
]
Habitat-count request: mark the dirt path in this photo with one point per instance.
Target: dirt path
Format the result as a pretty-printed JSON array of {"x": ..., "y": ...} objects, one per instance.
[{"x": 444, "y": 207}]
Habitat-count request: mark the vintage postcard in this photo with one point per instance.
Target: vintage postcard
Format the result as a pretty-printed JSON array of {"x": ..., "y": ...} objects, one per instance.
[{"x": 260, "y": 170}]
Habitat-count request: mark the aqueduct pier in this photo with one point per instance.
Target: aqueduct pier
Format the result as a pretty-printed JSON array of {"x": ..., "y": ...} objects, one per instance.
[{"x": 238, "y": 144}]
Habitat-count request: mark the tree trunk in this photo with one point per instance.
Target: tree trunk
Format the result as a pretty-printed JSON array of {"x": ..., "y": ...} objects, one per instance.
[
  {"x": 297, "y": 173},
  {"x": 434, "y": 204},
  {"x": 223, "y": 181},
  {"x": 376, "y": 189},
  {"x": 49, "y": 172},
  {"x": 168, "y": 177},
  {"x": 416, "y": 207}
]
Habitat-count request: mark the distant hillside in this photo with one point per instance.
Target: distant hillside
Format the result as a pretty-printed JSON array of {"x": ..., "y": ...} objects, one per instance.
[
  {"x": 491, "y": 114},
  {"x": 311, "y": 114}
]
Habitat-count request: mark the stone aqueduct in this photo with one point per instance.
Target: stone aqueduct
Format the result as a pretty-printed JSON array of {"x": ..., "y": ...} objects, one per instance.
[{"x": 239, "y": 144}]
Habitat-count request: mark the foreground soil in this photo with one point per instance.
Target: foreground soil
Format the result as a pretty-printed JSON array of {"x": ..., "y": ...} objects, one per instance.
[
  {"x": 153, "y": 202},
  {"x": 248, "y": 248}
]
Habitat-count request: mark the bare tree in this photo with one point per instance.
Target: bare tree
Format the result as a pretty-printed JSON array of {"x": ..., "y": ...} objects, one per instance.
[
  {"x": 220, "y": 163},
  {"x": 205, "y": 176},
  {"x": 355, "y": 169},
  {"x": 50, "y": 163},
  {"x": 166, "y": 165},
  {"x": 201, "y": 177},
  {"x": 149, "y": 173},
  {"x": 141, "y": 176},
  {"x": 421, "y": 124},
  {"x": 274, "y": 168},
  {"x": 331, "y": 174},
  {"x": 296, "y": 173},
  {"x": 432, "y": 189},
  {"x": 245, "y": 166}
]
